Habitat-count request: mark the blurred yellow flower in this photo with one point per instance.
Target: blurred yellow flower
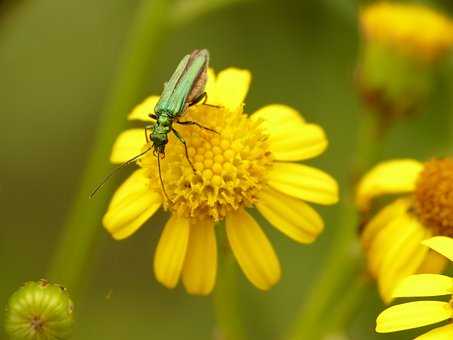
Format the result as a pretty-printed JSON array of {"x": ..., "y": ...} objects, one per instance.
[
  {"x": 248, "y": 163},
  {"x": 423, "y": 313},
  {"x": 391, "y": 239},
  {"x": 412, "y": 29}
]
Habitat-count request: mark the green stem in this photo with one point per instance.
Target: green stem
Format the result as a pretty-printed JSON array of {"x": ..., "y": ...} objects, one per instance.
[
  {"x": 449, "y": 69},
  {"x": 344, "y": 259},
  {"x": 342, "y": 313},
  {"x": 185, "y": 11},
  {"x": 227, "y": 310},
  {"x": 83, "y": 222}
]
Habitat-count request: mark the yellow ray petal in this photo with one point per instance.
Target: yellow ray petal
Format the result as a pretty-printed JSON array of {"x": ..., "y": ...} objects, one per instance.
[
  {"x": 298, "y": 142},
  {"x": 290, "y": 138},
  {"x": 442, "y": 244},
  {"x": 304, "y": 182},
  {"x": 171, "y": 251},
  {"x": 385, "y": 239},
  {"x": 403, "y": 257},
  {"x": 383, "y": 218},
  {"x": 131, "y": 206},
  {"x": 231, "y": 88},
  {"x": 439, "y": 333},
  {"x": 277, "y": 115},
  {"x": 392, "y": 177},
  {"x": 128, "y": 144},
  {"x": 200, "y": 265},
  {"x": 412, "y": 315},
  {"x": 252, "y": 250},
  {"x": 144, "y": 109},
  {"x": 424, "y": 285},
  {"x": 291, "y": 216}
]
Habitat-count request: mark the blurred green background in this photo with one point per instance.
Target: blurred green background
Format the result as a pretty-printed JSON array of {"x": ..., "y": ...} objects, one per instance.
[{"x": 57, "y": 61}]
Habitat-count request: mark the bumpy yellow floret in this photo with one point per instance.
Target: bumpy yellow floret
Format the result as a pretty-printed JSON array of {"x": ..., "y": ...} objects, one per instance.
[{"x": 231, "y": 165}]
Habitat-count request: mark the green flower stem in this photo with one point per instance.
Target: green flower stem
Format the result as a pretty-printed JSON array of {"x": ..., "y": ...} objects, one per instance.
[
  {"x": 185, "y": 11},
  {"x": 84, "y": 219},
  {"x": 227, "y": 310},
  {"x": 450, "y": 102},
  {"x": 341, "y": 260},
  {"x": 344, "y": 260},
  {"x": 341, "y": 314}
]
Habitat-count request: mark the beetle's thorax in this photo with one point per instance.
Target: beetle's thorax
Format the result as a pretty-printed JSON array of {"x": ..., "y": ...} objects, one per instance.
[
  {"x": 161, "y": 129},
  {"x": 163, "y": 122}
]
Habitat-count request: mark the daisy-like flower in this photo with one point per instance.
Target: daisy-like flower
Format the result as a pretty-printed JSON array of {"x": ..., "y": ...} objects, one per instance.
[
  {"x": 411, "y": 29},
  {"x": 392, "y": 238},
  {"x": 422, "y": 313},
  {"x": 246, "y": 163}
]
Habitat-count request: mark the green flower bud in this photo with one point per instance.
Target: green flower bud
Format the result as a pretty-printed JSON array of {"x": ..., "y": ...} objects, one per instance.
[
  {"x": 39, "y": 311},
  {"x": 403, "y": 49}
]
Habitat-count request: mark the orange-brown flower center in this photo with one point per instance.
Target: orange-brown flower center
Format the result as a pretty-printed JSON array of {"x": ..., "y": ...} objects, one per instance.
[{"x": 434, "y": 196}]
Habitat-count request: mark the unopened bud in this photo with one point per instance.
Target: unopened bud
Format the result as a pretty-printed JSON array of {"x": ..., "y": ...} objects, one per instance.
[{"x": 39, "y": 311}]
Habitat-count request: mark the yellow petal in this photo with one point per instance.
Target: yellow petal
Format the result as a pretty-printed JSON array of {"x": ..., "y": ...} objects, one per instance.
[
  {"x": 171, "y": 251},
  {"x": 304, "y": 182},
  {"x": 392, "y": 177},
  {"x": 383, "y": 218},
  {"x": 424, "y": 285},
  {"x": 433, "y": 263},
  {"x": 412, "y": 315},
  {"x": 442, "y": 244},
  {"x": 128, "y": 144},
  {"x": 439, "y": 333},
  {"x": 252, "y": 250},
  {"x": 300, "y": 142},
  {"x": 131, "y": 206},
  {"x": 403, "y": 257},
  {"x": 200, "y": 265},
  {"x": 290, "y": 138},
  {"x": 382, "y": 242},
  {"x": 144, "y": 109},
  {"x": 231, "y": 88},
  {"x": 291, "y": 216},
  {"x": 277, "y": 115}
]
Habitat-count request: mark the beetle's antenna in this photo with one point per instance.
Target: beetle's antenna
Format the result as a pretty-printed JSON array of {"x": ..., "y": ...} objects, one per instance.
[
  {"x": 106, "y": 178},
  {"x": 161, "y": 181}
]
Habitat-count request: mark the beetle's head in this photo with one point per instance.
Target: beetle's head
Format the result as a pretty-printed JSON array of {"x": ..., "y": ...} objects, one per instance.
[{"x": 159, "y": 141}]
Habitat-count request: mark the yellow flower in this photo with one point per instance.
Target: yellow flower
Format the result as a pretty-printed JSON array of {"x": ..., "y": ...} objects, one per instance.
[
  {"x": 247, "y": 163},
  {"x": 391, "y": 239},
  {"x": 423, "y": 313},
  {"x": 411, "y": 29}
]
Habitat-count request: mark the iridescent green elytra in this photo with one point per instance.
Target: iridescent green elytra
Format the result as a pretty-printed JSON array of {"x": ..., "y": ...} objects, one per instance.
[{"x": 186, "y": 87}]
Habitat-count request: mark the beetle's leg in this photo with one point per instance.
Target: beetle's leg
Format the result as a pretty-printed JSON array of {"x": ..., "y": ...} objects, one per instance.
[
  {"x": 185, "y": 147},
  {"x": 190, "y": 122},
  {"x": 148, "y": 128},
  {"x": 161, "y": 180},
  {"x": 202, "y": 98}
]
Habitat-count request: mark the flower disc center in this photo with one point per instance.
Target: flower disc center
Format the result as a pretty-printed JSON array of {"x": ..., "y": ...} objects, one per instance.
[
  {"x": 230, "y": 164},
  {"x": 434, "y": 196}
]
